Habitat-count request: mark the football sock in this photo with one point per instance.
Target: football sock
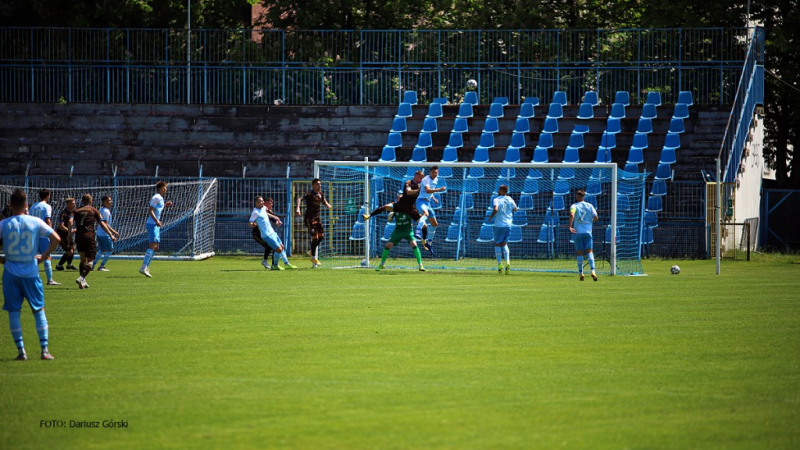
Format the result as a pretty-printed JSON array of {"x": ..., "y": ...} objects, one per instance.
[
  {"x": 148, "y": 256},
  {"x": 41, "y": 326},
  {"x": 580, "y": 264},
  {"x": 85, "y": 268},
  {"x": 97, "y": 259},
  {"x": 316, "y": 250},
  {"x": 64, "y": 259},
  {"x": 378, "y": 210},
  {"x": 506, "y": 254},
  {"x": 421, "y": 224},
  {"x": 498, "y": 252},
  {"x": 424, "y": 232},
  {"x": 106, "y": 256},
  {"x": 431, "y": 231},
  {"x": 591, "y": 260},
  {"x": 314, "y": 245},
  {"x": 418, "y": 255},
  {"x": 283, "y": 256},
  {"x": 385, "y": 255},
  {"x": 275, "y": 258},
  {"x": 15, "y": 325},
  {"x": 48, "y": 269}
]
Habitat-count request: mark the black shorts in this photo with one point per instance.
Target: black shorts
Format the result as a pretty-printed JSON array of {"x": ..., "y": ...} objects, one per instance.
[
  {"x": 313, "y": 225},
  {"x": 86, "y": 245},
  {"x": 405, "y": 208},
  {"x": 66, "y": 241}
]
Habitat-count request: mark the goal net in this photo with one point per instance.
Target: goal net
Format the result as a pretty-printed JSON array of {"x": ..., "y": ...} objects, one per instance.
[
  {"x": 540, "y": 238},
  {"x": 187, "y": 230}
]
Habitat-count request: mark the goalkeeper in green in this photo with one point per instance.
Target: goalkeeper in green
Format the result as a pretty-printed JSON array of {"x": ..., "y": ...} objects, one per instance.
[{"x": 403, "y": 230}]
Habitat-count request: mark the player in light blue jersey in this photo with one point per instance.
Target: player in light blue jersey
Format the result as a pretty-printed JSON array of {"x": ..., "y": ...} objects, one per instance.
[
  {"x": 503, "y": 208},
  {"x": 581, "y": 217},
  {"x": 260, "y": 219},
  {"x": 105, "y": 243},
  {"x": 153, "y": 224},
  {"x": 21, "y": 280},
  {"x": 424, "y": 204},
  {"x": 44, "y": 211}
]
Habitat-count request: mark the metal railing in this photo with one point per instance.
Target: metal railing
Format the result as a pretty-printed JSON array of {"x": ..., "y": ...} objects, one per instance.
[{"x": 364, "y": 67}]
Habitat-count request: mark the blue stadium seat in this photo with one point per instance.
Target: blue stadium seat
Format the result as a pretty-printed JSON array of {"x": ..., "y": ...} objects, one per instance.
[
  {"x": 497, "y": 184},
  {"x": 631, "y": 171},
  {"x": 387, "y": 231},
  {"x": 556, "y": 111},
  {"x": 663, "y": 172},
  {"x": 486, "y": 217},
  {"x": 382, "y": 171},
  {"x": 597, "y": 174},
  {"x": 685, "y": 97},
  {"x": 640, "y": 140},
  {"x": 525, "y": 202},
  {"x": 551, "y": 217},
  {"x": 491, "y": 126},
  {"x": 438, "y": 203},
  {"x": 534, "y": 174},
  {"x": 440, "y": 100},
  {"x": 531, "y": 101},
  {"x": 676, "y": 126},
  {"x": 445, "y": 172},
  {"x": 654, "y": 97},
  {"x": 566, "y": 173},
  {"x": 495, "y": 111},
  {"x": 625, "y": 186},
  {"x": 623, "y": 204},
  {"x": 645, "y": 126},
  {"x": 530, "y": 186},
  {"x": 450, "y": 154},
  {"x": 470, "y": 186},
  {"x": 502, "y": 100},
  {"x": 650, "y": 219},
  {"x": 673, "y": 140},
  {"x": 608, "y": 140},
  {"x": 481, "y": 154},
  {"x": 590, "y": 97},
  {"x": 647, "y": 235},
  {"x": 475, "y": 172},
  {"x": 410, "y": 97},
  {"x": 613, "y": 125},
  {"x": 399, "y": 125},
  {"x": 580, "y": 129},
  {"x": 471, "y": 97},
  {"x": 550, "y": 125},
  {"x": 487, "y": 140},
  {"x": 394, "y": 140},
  {"x": 635, "y": 156},
  {"x": 681, "y": 111},
  {"x": 486, "y": 234},
  {"x": 518, "y": 140},
  {"x": 409, "y": 174},
  {"x": 429, "y": 125},
  {"x": 557, "y": 204},
  {"x": 522, "y": 126},
  {"x": 622, "y": 97},
  {"x": 571, "y": 155},
  {"x": 594, "y": 188},
  {"x": 515, "y": 234},
  {"x": 526, "y": 111},
  {"x": 545, "y": 140},
  {"x": 659, "y": 188},
  {"x": 576, "y": 140},
  {"x": 453, "y": 233},
  {"x": 561, "y": 187},
  {"x": 512, "y": 155},
  {"x": 546, "y": 235},
  {"x": 434, "y": 111},
  {"x": 465, "y": 111},
  {"x": 377, "y": 185},
  {"x": 419, "y": 154},
  {"x": 649, "y": 111},
  {"x": 560, "y": 97},
  {"x": 425, "y": 140},
  {"x": 654, "y": 203},
  {"x": 540, "y": 155},
  {"x": 358, "y": 232},
  {"x": 586, "y": 111},
  {"x": 456, "y": 140},
  {"x": 608, "y": 234},
  {"x": 667, "y": 156},
  {"x": 404, "y": 110},
  {"x": 466, "y": 200},
  {"x": 460, "y": 125},
  {"x": 388, "y": 154},
  {"x": 617, "y": 111},
  {"x": 591, "y": 199},
  {"x": 603, "y": 155},
  {"x": 508, "y": 172}
]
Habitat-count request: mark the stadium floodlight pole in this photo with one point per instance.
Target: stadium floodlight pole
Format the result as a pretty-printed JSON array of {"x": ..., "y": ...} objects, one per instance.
[{"x": 717, "y": 215}]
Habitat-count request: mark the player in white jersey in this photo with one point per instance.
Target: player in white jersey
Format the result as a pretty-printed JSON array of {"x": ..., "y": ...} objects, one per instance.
[
  {"x": 428, "y": 187},
  {"x": 105, "y": 244},
  {"x": 153, "y": 224},
  {"x": 44, "y": 211},
  {"x": 581, "y": 217},
  {"x": 260, "y": 219},
  {"x": 503, "y": 208},
  {"x": 21, "y": 280}
]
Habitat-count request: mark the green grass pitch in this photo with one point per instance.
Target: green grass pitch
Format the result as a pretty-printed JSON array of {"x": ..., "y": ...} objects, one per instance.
[{"x": 224, "y": 354}]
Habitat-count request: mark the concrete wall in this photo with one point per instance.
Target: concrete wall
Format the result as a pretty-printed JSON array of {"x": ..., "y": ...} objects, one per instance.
[{"x": 748, "y": 186}]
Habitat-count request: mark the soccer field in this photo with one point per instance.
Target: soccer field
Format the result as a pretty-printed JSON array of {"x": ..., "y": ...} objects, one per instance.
[{"x": 224, "y": 354}]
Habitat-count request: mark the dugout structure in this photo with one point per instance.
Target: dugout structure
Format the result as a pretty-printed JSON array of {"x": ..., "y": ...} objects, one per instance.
[{"x": 540, "y": 238}]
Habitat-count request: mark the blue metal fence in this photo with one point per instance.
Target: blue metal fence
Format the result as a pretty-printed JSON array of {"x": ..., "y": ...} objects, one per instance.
[{"x": 364, "y": 67}]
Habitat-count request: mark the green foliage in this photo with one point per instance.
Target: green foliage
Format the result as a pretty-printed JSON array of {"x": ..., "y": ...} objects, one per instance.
[{"x": 223, "y": 354}]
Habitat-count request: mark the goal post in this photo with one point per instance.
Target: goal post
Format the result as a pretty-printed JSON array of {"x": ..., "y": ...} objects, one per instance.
[
  {"x": 540, "y": 239},
  {"x": 188, "y": 226}
]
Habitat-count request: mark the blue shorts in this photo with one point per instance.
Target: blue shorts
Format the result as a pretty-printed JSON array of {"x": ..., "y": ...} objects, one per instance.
[
  {"x": 15, "y": 289},
  {"x": 423, "y": 206},
  {"x": 272, "y": 240},
  {"x": 104, "y": 244},
  {"x": 583, "y": 241},
  {"x": 153, "y": 233},
  {"x": 501, "y": 235},
  {"x": 44, "y": 244}
]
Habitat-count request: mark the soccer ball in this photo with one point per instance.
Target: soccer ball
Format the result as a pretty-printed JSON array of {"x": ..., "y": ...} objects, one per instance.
[
  {"x": 675, "y": 270},
  {"x": 472, "y": 84},
  {"x": 364, "y": 262}
]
